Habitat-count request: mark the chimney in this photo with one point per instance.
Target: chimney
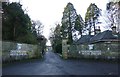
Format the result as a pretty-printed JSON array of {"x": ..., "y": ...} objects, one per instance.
[
  {"x": 98, "y": 30},
  {"x": 114, "y": 29}
]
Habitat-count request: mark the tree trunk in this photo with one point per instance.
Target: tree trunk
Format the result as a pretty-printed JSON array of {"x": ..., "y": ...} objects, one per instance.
[
  {"x": 69, "y": 30},
  {"x": 14, "y": 34},
  {"x": 94, "y": 26},
  {"x": 90, "y": 27}
]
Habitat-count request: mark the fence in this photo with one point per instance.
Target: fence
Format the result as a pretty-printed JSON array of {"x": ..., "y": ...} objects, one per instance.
[
  {"x": 17, "y": 51},
  {"x": 98, "y": 50}
]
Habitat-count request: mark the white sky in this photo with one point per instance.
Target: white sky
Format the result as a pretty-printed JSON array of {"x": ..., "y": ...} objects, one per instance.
[{"x": 50, "y": 12}]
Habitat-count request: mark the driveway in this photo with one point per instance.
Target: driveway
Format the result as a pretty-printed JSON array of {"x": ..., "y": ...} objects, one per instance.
[{"x": 52, "y": 64}]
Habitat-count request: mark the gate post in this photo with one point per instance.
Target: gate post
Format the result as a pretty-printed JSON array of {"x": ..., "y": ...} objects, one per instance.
[{"x": 64, "y": 48}]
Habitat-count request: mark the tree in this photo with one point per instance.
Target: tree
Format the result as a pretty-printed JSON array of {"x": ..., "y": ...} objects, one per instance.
[
  {"x": 56, "y": 39},
  {"x": 68, "y": 22},
  {"x": 113, "y": 14},
  {"x": 37, "y": 27},
  {"x": 109, "y": 15},
  {"x": 42, "y": 42},
  {"x": 79, "y": 24},
  {"x": 16, "y": 24},
  {"x": 91, "y": 17}
]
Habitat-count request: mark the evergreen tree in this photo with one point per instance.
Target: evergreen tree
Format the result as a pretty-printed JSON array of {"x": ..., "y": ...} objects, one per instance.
[
  {"x": 79, "y": 24},
  {"x": 56, "y": 39},
  {"x": 91, "y": 17},
  {"x": 16, "y": 25},
  {"x": 68, "y": 22}
]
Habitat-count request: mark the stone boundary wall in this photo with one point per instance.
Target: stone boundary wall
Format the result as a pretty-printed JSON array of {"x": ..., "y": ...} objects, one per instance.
[
  {"x": 19, "y": 51},
  {"x": 98, "y": 50}
]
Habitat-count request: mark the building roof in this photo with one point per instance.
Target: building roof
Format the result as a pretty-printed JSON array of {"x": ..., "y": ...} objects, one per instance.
[
  {"x": 105, "y": 36},
  {"x": 100, "y": 37},
  {"x": 85, "y": 39}
]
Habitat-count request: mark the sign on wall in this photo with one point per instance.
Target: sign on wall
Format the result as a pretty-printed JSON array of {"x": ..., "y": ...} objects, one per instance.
[{"x": 18, "y": 53}]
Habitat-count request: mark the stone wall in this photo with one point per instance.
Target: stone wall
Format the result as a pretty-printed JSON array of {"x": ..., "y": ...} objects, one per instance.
[
  {"x": 98, "y": 50},
  {"x": 18, "y": 51}
]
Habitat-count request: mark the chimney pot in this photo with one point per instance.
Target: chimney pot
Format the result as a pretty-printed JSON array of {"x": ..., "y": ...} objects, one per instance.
[{"x": 114, "y": 29}]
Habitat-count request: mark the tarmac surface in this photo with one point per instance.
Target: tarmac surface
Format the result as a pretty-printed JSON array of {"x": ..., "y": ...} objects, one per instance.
[{"x": 53, "y": 64}]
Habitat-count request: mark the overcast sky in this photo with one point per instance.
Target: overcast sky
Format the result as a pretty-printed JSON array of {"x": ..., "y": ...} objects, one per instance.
[{"x": 50, "y": 12}]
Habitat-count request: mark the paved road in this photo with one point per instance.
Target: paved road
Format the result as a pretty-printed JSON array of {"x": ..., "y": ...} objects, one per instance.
[{"x": 54, "y": 65}]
